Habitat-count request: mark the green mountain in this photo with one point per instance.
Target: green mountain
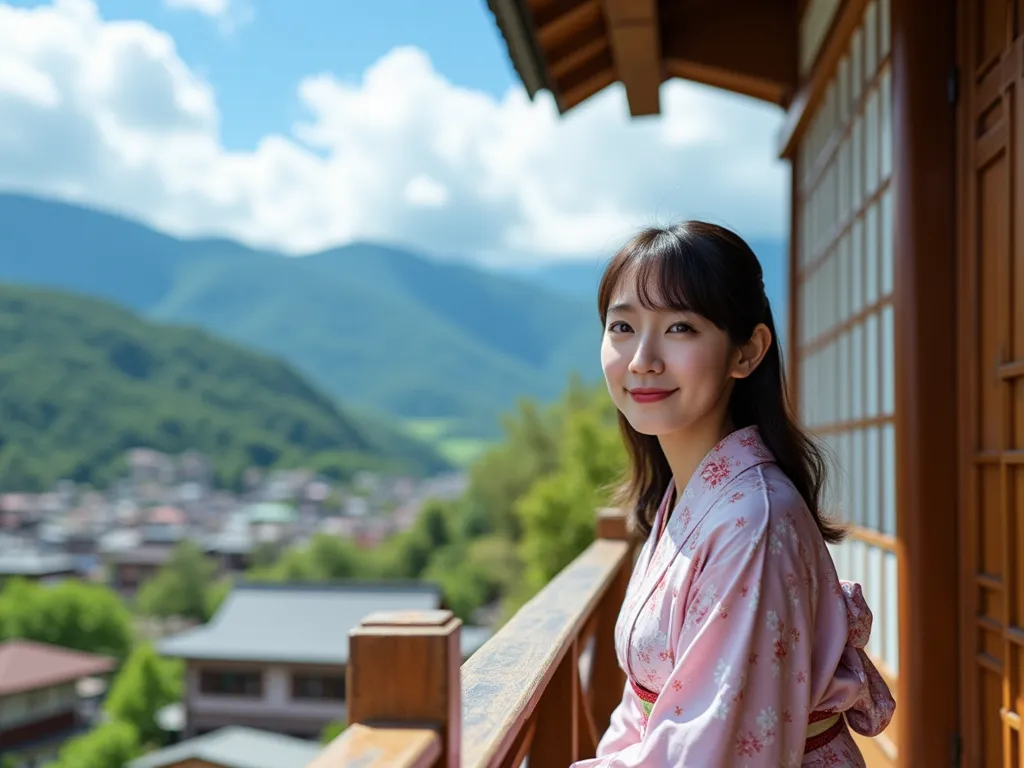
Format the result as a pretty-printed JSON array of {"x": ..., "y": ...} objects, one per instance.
[
  {"x": 373, "y": 326},
  {"x": 82, "y": 381}
]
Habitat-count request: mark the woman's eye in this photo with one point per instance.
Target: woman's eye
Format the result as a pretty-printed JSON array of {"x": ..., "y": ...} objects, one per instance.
[
  {"x": 619, "y": 327},
  {"x": 681, "y": 328}
]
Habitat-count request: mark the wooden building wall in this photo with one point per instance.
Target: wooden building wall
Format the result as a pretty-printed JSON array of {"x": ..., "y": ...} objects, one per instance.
[
  {"x": 843, "y": 274},
  {"x": 991, "y": 365}
]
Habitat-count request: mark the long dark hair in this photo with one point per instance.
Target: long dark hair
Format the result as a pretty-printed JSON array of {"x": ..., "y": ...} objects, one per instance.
[{"x": 707, "y": 269}]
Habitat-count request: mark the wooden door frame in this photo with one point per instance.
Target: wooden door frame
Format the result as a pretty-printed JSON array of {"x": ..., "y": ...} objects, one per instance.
[
  {"x": 966, "y": 385},
  {"x": 924, "y": 147}
]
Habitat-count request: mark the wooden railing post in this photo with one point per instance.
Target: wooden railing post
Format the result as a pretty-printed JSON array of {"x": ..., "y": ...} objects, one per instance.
[
  {"x": 607, "y": 680},
  {"x": 611, "y": 524},
  {"x": 403, "y": 670}
]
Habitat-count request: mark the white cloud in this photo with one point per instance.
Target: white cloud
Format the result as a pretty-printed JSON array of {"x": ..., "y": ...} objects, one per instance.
[
  {"x": 108, "y": 113},
  {"x": 229, "y": 13},
  {"x": 427, "y": 192}
]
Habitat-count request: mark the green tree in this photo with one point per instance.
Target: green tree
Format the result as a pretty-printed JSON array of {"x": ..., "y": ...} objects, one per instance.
[
  {"x": 557, "y": 514},
  {"x": 181, "y": 587},
  {"x": 73, "y": 614},
  {"x": 474, "y": 573},
  {"x": 332, "y": 730},
  {"x": 111, "y": 745},
  {"x": 409, "y": 554},
  {"x": 505, "y": 472},
  {"x": 145, "y": 684},
  {"x": 216, "y": 595},
  {"x": 324, "y": 558}
]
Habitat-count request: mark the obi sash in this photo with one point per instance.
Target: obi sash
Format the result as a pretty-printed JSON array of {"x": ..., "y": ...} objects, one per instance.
[{"x": 822, "y": 726}]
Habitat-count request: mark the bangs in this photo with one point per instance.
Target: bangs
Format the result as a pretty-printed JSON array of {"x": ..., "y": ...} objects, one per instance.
[{"x": 670, "y": 272}]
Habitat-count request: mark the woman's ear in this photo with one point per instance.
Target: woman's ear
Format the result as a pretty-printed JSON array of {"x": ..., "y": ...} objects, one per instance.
[{"x": 749, "y": 355}]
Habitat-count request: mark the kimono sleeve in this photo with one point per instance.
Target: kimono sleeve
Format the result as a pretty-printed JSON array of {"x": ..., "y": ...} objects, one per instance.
[
  {"x": 738, "y": 693},
  {"x": 624, "y": 728}
]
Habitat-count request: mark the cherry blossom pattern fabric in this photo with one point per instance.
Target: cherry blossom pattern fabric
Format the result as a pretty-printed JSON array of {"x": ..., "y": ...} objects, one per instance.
[{"x": 736, "y": 622}]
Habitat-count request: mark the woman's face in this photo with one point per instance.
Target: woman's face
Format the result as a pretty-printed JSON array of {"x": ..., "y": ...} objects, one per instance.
[{"x": 666, "y": 370}]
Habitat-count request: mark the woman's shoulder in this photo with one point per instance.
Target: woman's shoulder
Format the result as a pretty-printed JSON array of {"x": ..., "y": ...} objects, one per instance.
[{"x": 759, "y": 501}]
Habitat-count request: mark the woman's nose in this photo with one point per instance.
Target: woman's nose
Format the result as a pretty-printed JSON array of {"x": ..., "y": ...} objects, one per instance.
[{"x": 646, "y": 359}]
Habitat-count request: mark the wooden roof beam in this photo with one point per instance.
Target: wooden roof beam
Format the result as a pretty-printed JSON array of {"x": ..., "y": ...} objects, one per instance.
[
  {"x": 633, "y": 31},
  {"x": 558, "y": 21},
  {"x": 745, "y": 46}
]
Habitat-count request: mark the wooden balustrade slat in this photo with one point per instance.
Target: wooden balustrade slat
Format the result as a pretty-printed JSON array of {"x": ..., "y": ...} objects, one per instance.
[
  {"x": 521, "y": 746},
  {"x": 368, "y": 747},
  {"x": 504, "y": 680},
  {"x": 588, "y": 736},
  {"x": 607, "y": 680},
  {"x": 556, "y": 742}
]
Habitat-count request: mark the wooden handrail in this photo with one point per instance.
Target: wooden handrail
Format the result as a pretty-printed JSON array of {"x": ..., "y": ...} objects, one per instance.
[
  {"x": 524, "y": 693},
  {"x": 381, "y": 748},
  {"x": 532, "y": 663}
]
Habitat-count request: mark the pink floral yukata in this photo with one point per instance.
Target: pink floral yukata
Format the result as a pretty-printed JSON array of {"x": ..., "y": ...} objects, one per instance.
[{"x": 740, "y": 644}]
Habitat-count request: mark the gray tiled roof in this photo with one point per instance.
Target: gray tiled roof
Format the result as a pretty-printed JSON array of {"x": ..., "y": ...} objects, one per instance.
[
  {"x": 235, "y": 747},
  {"x": 27, "y": 562},
  {"x": 291, "y": 623}
]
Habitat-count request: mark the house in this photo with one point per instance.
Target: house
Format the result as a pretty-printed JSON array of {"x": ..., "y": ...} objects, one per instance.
[
  {"x": 271, "y": 521},
  {"x": 274, "y": 656},
  {"x": 40, "y": 703},
  {"x": 232, "y": 547},
  {"x": 904, "y": 337},
  {"x": 135, "y": 555},
  {"x": 233, "y": 747},
  {"x": 28, "y": 562},
  {"x": 129, "y": 568}
]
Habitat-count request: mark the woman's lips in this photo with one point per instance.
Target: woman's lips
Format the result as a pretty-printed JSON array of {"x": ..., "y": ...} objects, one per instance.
[{"x": 650, "y": 395}]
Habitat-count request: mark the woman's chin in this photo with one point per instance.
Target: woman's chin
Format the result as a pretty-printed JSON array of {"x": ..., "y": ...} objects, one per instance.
[{"x": 652, "y": 427}]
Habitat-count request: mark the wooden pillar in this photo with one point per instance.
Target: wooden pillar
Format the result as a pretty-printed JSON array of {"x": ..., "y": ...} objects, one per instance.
[
  {"x": 923, "y": 56},
  {"x": 404, "y": 669}
]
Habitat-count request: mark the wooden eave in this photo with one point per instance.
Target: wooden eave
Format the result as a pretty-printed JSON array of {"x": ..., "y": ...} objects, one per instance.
[{"x": 577, "y": 48}]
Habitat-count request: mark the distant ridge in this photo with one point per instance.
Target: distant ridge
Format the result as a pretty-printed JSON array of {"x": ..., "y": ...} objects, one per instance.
[{"x": 373, "y": 326}]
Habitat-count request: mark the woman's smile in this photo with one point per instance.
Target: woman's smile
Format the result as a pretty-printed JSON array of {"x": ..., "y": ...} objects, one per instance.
[{"x": 650, "y": 394}]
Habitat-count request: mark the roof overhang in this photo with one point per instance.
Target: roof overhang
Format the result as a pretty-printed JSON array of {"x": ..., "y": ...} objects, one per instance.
[{"x": 576, "y": 48}]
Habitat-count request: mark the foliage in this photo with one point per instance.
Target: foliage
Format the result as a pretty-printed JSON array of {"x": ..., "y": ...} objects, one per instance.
[
  {"x": 182, "y": 587},
  {"x": 558, "y": 512},
  {"x": 216, "y": 594},
  {"x": 73, "y": 614},
  {"x": 114, "y": 743},
  {"x": 82, "y": 381},
  {"x": 145, "y": 684},
  {"x": 474, "y": 573},
  {"x": 324, "y": 558},
  {"x": 530, "y": 508},
  {"x": 332, "y": 730}
]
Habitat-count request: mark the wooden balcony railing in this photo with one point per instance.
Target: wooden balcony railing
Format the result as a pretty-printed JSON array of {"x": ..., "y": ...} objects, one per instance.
[{"x": 543, "y": 687}]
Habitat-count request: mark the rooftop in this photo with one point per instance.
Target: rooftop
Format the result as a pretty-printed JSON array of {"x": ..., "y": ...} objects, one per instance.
[
  {"x": 271, "y": 512},
  {"x": 28, "y": 666},
  {"x": 235, "y": 747},
  {"x": 30, "y": 562},
  {"x": 147, "y": 554},
  {"x": 301, "y": 623}
]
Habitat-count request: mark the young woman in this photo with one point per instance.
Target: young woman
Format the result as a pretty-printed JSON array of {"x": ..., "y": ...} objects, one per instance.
[{"x": 740, "y": 644}]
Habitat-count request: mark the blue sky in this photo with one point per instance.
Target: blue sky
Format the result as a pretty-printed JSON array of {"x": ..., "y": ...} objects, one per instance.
[{"x": 302, "y": 125}]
